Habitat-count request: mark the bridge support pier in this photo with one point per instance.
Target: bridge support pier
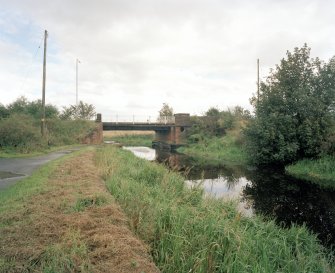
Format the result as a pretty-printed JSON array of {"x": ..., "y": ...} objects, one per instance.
[{"x": 176, "y": 136}]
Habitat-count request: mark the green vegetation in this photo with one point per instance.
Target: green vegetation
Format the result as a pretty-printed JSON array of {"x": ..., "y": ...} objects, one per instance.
[
  {"x": 294, "y": 112},
  {"x": 216, "y": 139},
  {"x": 320, "y": 171},
  {"x": 86, "y": 202},
  {"x": 62, "y": 219},
  {"x": 165, "y": 114},
  {"x": 133, "y": 140},
  {"x": 216, "y": 151},
  {"x": 20, "y": 127},
  {"x": 60, "y": 257},
  {"x": 15, "y": 195},
  {"x": 189, "y": 233}
]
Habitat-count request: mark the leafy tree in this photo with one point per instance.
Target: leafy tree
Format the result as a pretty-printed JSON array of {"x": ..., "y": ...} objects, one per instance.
[
  {"x": 19, "y": 106},
  {"x": 213, "y": 112},
  {"x": 293, "y": 112},
  {"x": 165, "y": 114},
  {"x": 82, "y": 111},
  {"x": 4, "y": 113},
  {"x": 33, "y": 108}
]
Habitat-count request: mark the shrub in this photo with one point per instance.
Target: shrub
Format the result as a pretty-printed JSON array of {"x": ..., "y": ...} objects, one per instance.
[{"x": 21, "y": 132}]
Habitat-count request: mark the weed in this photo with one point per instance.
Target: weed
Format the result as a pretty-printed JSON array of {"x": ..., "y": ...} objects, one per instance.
[
  {"x": 85, "y": 202},
  {"x": 189, "y": 233}
]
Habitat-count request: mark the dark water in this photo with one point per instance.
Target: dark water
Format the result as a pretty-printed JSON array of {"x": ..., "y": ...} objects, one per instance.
[{"x": 269, "y": 192}]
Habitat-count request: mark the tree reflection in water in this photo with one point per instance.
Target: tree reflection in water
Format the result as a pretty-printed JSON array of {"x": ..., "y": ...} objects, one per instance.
[{"x": 288, "y": 200}]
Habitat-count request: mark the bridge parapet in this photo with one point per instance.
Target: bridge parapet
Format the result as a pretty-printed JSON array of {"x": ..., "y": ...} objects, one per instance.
[{"x": 169, "y": 132}]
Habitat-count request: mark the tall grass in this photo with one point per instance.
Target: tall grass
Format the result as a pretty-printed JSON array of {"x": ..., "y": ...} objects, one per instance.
[
  {"x": 320, "y": 171},
  {"x": 189, "y": 233},
  {"x": 217, "y": 151}
]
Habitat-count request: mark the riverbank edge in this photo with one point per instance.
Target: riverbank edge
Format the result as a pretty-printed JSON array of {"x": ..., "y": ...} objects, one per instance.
[
  {"x": 319, "y": 171},
  {"x": 190, "y": 233}
]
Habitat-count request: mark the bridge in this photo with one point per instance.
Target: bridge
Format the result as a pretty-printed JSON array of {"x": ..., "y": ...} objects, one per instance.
[{"x": 170, "y": 133}]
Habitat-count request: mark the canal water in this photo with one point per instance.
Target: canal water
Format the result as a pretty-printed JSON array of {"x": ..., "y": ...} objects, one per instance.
[{"x": 269, "y": 192}]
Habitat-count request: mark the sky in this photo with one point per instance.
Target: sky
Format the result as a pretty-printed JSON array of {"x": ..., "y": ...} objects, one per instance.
[{"x": 136, "y": 55}]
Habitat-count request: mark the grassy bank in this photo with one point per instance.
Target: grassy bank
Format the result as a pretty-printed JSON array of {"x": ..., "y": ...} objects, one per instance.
[
  {"x": 320, "y": 171},
  {"x": 62, "y": 219},
  {"x": 131, "y": 139},
  {"x": 188, "y": 233},
  {"x": 216, "y": 151}
]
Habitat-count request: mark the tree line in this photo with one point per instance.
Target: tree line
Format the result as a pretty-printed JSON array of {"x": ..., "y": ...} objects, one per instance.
[{"x": 20, "y": 123}]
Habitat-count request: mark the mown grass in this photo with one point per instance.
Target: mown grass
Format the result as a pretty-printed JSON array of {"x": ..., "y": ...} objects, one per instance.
[
  {"x": 216, "y": 151},
  {"x": 62, "y": 219},
  {"x": 57, "y": 258},
  {"x": 189, "y": 233},
  {"x": 14, "y": 196},
  {"x": 319, "y": 171},
  {"x": 133, "y": 140}
]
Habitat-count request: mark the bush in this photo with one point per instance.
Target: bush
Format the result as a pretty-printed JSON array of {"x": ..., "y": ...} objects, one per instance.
[
  {"x": 66, "y": 132},
  {"x": 21, "y": 132},
  {"x": 294, "y": 110}
]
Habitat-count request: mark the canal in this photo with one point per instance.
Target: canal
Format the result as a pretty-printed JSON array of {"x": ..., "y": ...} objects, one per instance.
[{"x": 268, "y": 192}]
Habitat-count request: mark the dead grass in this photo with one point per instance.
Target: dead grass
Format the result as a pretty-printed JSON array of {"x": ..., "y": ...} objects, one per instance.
[
  {"x": 127, "y": 133},
  {"x": 48, "y": 234}
]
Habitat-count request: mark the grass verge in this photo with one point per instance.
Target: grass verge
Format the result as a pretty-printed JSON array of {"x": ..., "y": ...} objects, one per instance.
[
  {"x": 319, "y": 171},
  {"x": 62, "y": 219},
  {"x": 188, "y": 233},
  {"x": 216, "y": 151}
]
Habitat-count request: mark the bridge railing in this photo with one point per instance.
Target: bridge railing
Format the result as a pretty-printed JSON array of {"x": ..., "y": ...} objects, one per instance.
[{"x": 139, "y": 119}]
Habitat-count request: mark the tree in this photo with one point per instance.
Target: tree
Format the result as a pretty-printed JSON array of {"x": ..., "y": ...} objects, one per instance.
[
  {"x": 32, "y": 108},
  {"x": 4, "y": 113},
  {"x": 293, "y": 112},
  {"x": 82, "y": 111},
  {"x": 165, "y": 114}
]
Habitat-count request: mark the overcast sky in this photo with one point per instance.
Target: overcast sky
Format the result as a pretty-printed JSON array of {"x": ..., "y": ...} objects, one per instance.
[{"x": 135, "y": 55}]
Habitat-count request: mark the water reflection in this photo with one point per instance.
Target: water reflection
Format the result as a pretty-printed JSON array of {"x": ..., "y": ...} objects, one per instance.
[
  {"x": 268, "y": 191},
  {"x": 289, "y": 200},
  {"x": 142, "y": 152},
  {"x": 264, "y": 191}
]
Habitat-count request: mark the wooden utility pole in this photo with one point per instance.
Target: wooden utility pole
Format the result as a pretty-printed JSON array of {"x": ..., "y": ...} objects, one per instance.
[
  {"x": 257, "y": 80},
  {"x": 43, "y": 84},
  {"x": 77, "y": 61}
]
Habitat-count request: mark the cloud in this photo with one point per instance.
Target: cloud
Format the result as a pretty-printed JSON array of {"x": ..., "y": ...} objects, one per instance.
[{"x": 135, "y": 55}]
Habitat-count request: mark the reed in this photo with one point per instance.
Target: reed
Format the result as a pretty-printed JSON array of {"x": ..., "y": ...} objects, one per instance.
[{"x": 190, "y": 233}]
